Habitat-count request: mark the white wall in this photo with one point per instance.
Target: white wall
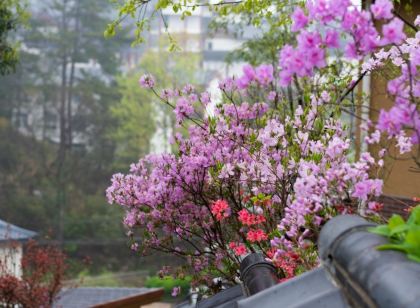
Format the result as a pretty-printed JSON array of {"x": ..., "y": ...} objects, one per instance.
[
  {"x": 10, "y": 258},
  {"x": 223, "y": 43}
]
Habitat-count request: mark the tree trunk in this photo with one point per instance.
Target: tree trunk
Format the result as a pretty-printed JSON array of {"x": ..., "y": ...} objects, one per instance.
[
  {"x": 61, "y": 155},
  {"x": 71, "y": 80}
]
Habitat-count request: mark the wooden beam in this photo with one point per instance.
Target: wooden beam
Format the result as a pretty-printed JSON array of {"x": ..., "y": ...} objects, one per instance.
[{"x": 134, "y": 301}]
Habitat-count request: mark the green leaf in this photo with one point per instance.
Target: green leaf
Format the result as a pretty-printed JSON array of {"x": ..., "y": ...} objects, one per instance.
[
  {"x": 395, "y": 221},
  {"x": 399, "y": 229},
  {"x": 399, "y": 247},
  {"x": 414, "y": 218},
  {"x": 413, "y": 237},
  {"x": 415, "y": 258},
  {"x": 381, "y": 230}
]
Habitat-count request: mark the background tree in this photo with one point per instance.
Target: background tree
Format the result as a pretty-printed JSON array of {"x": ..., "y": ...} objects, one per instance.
[
  {"x": 12, "y": 15},
  {"x": 55, "y": 121},
  {"x": 134, "y": 128}
]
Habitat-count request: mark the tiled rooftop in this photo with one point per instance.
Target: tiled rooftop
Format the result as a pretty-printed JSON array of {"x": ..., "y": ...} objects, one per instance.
[
  {"x": 12, "y": 232},
  {"x": 88, "y": 297},
  {"x": 353, "y": 273}
]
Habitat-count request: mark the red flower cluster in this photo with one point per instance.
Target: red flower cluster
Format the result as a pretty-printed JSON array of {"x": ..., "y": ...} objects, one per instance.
[
  {"x": 249, "y": 219},
  {"x": 238, "y": 249},
  {"x": 220, "y": 209},
  {"x": 256, "y": 236},
  {"x": 288, "y": 262}
]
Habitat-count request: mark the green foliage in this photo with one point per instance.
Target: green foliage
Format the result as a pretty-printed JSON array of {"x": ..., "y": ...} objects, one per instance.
[
  {"x": 257, "y": 13},
  {"x": 136, "y": 114},
  {"x": 24, "y": 191},
  {"x": 12, "y": 14},
  {"x": 403, "y": 236},
  {"x": 260, "y": 50},
  {"x": 28, "y": 183}
]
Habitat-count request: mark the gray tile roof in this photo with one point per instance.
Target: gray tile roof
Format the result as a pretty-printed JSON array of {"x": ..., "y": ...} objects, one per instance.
[
  {"x": 88, "y": 297},
  {"x": 311, "y": 289},
  {"x": 353, "y": 273},
  {"x": 12, "y": 232}
]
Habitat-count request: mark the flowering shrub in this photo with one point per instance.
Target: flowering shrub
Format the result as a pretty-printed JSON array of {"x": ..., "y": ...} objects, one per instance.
[
  {"x": 43, "y": 273},
  {"x": 240, "y": 173},
  {"x": 315, "y": 54},
  {"x": 271, "y": 165}
]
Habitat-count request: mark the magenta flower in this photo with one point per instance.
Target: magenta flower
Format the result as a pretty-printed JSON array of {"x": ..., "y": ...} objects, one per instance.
[
  {"x": 300, "y": 20},
  {"x": 183, "y": 109},
  {"x": 363, "y": 189},
  {"x": 248, "y": 77},
  {"x": 387, "y": 123},
  {"x": 264, "y": 74},
  {"x": 176, "y": 291},
  {"x": 147, "y": 81},
  {"x": 382, "y": 9},
  {"x": 393, "y": 32},
  {"x": 308, "y": 40},
  {"x": 332, "y": 39}
]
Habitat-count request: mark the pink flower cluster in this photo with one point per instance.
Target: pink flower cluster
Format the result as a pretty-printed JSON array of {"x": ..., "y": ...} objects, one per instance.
[
  {"x": 404, "y": 116},
  {"x": 345, "y": 27},
  {"x": 220, "y": 209},
  {"x": 286, "y": 171},
  {"x": 249, "y": 219},
  {"x": 147, "y": 81},
  {"x": 256, "y": 235},
  {"x": 262, "y": 75},
  {"x": 238, "y": 248},
  {"x": 278, "y": 168}
]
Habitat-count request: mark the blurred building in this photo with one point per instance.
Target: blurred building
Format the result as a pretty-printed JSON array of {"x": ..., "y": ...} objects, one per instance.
[
  {"x": 11, "y": 248},
  {"x": 194, "y": 35},
  {"x": 39, "y": 116}
]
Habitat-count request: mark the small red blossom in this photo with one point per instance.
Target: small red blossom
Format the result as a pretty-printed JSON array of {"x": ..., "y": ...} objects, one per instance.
[
  {"x": 256, "y": 235},
  {"x": 375, "y": 206},
  {"x": 238, "y": 248},
  {"x": 220, "y": 209},
  {"x": 271, "y": 252},
  {"x": 249, "y": 219},
  {"x": 344, "y": 209},
  {"x": 288, "y": 263}
]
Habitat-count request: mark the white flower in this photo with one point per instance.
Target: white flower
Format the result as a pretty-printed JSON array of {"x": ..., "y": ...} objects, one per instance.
[{"x": 404, "y": 143}]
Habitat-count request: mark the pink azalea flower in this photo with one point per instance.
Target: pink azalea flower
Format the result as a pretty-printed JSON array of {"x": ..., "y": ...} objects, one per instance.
[
  {"x": 382, "y": 9},
  {"x": 256, "y": 235},
  {"x": 176, "y": 291},
  {"x": 393, "y": 32},
  {"x": 147, "y": 81},
  {"x": 332, "y": 39},
  {"x": 300, "y": 20},
  {"x": 220, "y": 209},
  {"x": 363, "y": 189},
  {"x": 264, "y": 74}
]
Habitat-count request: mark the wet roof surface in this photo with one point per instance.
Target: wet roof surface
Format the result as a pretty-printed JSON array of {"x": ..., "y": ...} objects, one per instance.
[
  {"x": 12, "y": 232},
  {"x": 88, "y": 297}
]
